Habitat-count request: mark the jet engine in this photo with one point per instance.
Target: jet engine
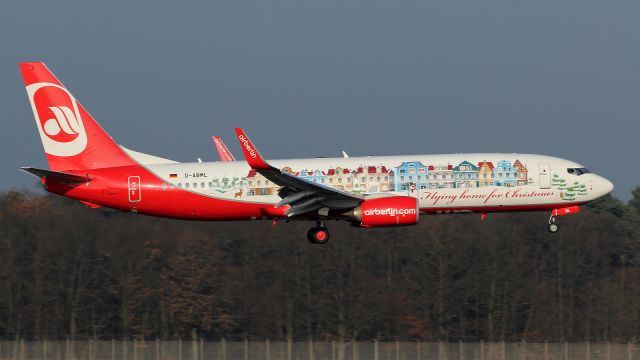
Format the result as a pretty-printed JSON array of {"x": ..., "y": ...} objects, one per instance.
[{"x": 386, "y": 211}]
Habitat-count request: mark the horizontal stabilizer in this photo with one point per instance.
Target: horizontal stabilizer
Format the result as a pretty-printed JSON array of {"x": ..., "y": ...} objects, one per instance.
[{"x": 56, "y": 175}]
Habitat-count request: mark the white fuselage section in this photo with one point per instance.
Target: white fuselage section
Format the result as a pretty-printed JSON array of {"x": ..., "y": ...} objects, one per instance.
[{"x": 448, "y": 181}]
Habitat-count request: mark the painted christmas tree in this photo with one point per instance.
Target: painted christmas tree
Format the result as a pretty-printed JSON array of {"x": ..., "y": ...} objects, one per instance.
[
  {"x": 568, "y": 192},
  {"x": 558, "y": 182},
  {"x": 561, "y": 184}
]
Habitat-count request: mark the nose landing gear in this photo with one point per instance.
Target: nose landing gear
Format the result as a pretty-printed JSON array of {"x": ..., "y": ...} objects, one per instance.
[
  {"x": 318, "y": 234},
  {"x": 553, "y": 227}
]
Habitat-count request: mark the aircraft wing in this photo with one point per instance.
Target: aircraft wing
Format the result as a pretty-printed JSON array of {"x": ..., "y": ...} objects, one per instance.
[
  {"x": 223, "y": 151},
  {"x": 302, "y": 195}
]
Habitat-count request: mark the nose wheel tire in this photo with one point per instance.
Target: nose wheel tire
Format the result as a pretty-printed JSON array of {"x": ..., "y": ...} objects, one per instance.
[
  {"x": 318, "y": 235},
  {"x": 553, "y": 227}
]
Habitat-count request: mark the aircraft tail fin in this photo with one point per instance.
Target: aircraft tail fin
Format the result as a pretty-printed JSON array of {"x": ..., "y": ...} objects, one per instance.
[{"x": 72, "y": 138}]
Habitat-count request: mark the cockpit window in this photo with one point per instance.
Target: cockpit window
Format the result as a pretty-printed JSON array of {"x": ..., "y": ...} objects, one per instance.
[{"x": 578, "y": 171}]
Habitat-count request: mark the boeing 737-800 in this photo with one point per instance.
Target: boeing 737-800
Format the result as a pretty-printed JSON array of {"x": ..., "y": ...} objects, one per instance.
[{"x": 86, "y": 164}]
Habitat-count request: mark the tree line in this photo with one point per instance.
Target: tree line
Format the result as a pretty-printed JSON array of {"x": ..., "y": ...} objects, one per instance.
[{"x": 67, "y": 271}]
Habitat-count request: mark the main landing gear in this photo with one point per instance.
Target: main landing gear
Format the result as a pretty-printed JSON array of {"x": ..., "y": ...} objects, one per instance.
[
  {"x": 553, "y": 227},
  {"x": 318, "y": 234}
]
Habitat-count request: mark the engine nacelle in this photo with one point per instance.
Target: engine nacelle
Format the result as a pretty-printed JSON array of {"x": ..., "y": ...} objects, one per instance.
[{"x": 387, "y": 211}]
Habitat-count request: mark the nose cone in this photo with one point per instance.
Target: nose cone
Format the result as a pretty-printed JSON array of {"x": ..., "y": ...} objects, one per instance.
[{"x": 604, "y": 186}]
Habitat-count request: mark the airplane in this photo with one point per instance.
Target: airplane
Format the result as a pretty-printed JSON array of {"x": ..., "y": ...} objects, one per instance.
[
  {"x": 86, "y": 164},
  {"x": 223, "y": 151}
]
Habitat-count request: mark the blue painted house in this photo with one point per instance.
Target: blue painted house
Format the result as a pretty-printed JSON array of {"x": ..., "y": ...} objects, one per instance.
[
  {"x": 315, "y": 176},
  {"x": 411, "y": 172},
  {"x": 466, "y": 175},
  {"x": 504, "y": 174}
]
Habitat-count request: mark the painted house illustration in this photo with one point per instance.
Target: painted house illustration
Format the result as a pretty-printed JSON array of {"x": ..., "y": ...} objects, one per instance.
[
  {"x": 411, "y": 172},
  {"x": 216, "y": 184},
  {"x": 522, "y": 173},
  {"x": 466, "y": 175},
  {"x": 485, "y": 173},
  {"x": 259, "y": 185},
  {"x": 226, "y": 183},
  {"x": 441, "y": 177},
  {"x": 341, "y": 178},
  {"x": 315, "y": 176},
  {"x": 372, "y": 179},
  {"x": 504, "y": 174}
]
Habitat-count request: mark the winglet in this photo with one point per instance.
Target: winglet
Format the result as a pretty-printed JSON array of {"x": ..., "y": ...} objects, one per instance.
[
  {"x": 225, "y": 154},
  {"x": 254, "y": 159}
]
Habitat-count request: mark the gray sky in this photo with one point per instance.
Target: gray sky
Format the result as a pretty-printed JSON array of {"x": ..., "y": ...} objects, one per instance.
[{"x": 310, "y": 78}]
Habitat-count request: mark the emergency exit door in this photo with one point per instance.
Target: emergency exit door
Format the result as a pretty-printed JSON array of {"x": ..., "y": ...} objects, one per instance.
[
  {"x": 545, "y": 176},
  {"x": 135, "y": 194}
]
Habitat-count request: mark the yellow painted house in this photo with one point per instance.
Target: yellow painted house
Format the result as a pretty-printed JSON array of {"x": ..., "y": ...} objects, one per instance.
[{"x": 485, "y": 171}]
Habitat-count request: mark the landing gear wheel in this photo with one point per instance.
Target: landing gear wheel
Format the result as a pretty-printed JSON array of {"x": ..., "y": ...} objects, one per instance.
[
  {"x": 318, "y": 235},
  {"x": 553, "y": 227}
]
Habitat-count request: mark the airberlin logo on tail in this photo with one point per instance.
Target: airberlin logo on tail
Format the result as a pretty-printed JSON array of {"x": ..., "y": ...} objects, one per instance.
[
  {"x": 58, "y": 119},
  {"x": 64, "y": 123},
  {"x": 247, "y": 146}
]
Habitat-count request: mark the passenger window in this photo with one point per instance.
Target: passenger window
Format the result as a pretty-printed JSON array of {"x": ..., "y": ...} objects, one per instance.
[
  {"x": 195, "y": 185},
  {"x": 202, "y": 185},
  {"x": 180, "y": 185},
  {"x": 164, "y": 186},
  {"x": 186, "y": 185}
]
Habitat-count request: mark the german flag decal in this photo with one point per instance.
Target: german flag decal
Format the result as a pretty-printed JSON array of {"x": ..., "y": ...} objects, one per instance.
[{"x": 173, "y": 176}]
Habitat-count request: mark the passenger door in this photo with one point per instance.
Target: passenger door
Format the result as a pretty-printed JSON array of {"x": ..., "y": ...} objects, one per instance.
[{"x": 545, "y": 176}]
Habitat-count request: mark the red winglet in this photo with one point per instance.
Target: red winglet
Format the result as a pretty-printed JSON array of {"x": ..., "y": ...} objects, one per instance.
[
  {"x": 254, "y": 159},
  {"x": 225, "y": 154}
]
